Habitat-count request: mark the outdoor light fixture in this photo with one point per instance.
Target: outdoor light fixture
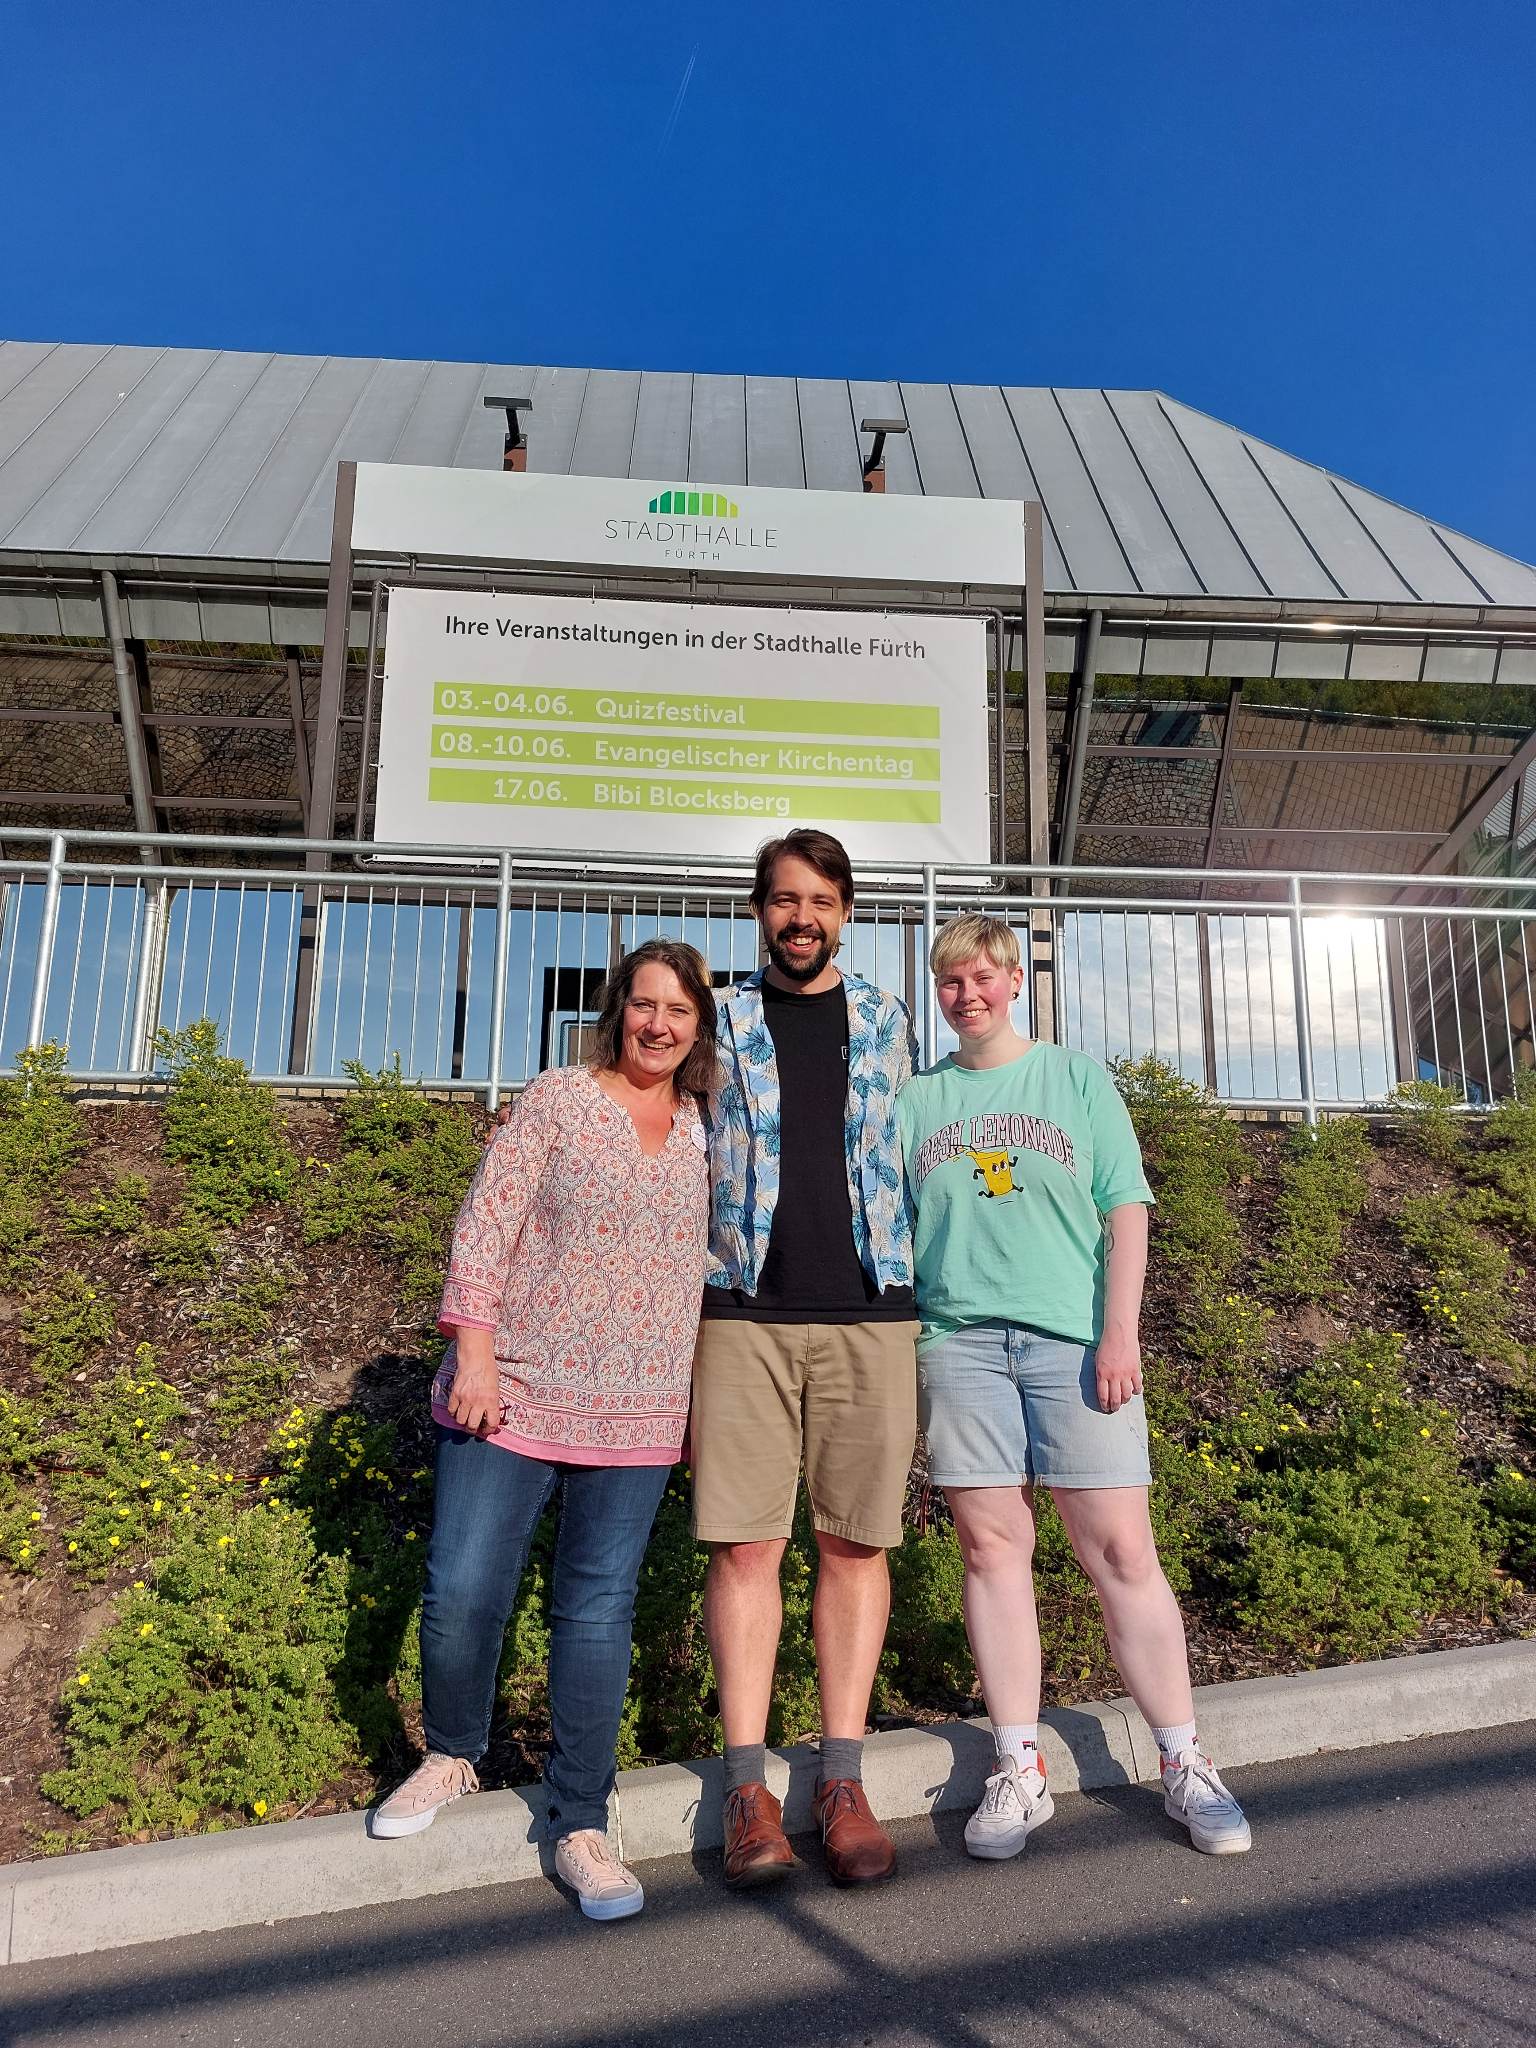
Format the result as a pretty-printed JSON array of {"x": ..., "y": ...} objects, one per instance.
[
  {"x": 514, "y": 449},
  {"x": 874, "y": 467}
]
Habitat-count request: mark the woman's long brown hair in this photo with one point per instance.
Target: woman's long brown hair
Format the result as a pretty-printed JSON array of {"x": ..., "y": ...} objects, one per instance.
[{"x": 696, "y": 1075}]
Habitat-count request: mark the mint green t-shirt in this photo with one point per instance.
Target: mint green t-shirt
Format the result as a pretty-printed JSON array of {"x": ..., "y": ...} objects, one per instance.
[{"x": 1011, "y": 1170}]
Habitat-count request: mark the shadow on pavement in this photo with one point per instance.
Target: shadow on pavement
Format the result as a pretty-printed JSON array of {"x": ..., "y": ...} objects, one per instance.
[{"x": 1301, "y": 1964}]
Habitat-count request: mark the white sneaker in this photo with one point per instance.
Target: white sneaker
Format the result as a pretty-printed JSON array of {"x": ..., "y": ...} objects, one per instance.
[
  {"x": 607, "y": 1888},
  {"x": 413, "y": 1806},
  {"x": 1195, "y": 1797},
  {"x": 1014, "y": 1804}
]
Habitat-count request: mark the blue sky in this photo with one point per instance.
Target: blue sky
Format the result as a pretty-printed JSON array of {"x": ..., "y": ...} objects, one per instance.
[{"x": 1314, "y": 221}]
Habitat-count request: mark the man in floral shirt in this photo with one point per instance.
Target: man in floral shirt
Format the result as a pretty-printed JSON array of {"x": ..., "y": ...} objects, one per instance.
[{"x": 806, "y": 1347}]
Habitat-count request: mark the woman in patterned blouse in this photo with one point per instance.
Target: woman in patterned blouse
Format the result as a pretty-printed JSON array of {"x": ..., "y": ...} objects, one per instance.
[{"x": 572, "y": 1300}]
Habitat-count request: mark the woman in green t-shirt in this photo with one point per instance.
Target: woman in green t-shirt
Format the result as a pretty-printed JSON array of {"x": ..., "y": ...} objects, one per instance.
[{"x": 1030, "y": 1211}]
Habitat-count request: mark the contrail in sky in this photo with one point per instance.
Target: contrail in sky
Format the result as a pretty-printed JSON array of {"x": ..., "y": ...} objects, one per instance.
[{"x": 677, "y": 104}]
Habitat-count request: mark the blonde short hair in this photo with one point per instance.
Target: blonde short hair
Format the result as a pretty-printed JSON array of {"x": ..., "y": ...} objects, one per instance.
[{"x": 971, "y": 936}]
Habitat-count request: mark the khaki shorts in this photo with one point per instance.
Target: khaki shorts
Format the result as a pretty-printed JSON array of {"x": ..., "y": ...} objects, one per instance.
[{"x": 842, "y": 1394}]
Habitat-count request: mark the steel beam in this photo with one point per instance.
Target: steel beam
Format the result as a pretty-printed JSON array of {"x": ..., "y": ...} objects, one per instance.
[
  {"x": 130, "y": 711},
  {"x": 333, "y": 662},
  {"x": 1082, "y": 722},
  {"x": 1042, "y": 923},
  {"x": 1476, "y": 812},
  {"x": 1224, "y": 769},
  {"x": 301, "y": 774}
]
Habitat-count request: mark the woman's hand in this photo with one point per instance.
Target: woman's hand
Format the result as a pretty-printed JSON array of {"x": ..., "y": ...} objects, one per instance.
[
  {"x": 1117, "y": 1369},
  {"x": 474, "y": 1400}
]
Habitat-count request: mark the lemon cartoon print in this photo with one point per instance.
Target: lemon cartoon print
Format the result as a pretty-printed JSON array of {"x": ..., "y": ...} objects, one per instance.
[{"x": 995, "y": 1172}]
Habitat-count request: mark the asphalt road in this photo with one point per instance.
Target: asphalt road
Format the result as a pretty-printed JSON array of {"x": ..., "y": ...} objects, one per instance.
[{"x": 1390, "y": 1897}]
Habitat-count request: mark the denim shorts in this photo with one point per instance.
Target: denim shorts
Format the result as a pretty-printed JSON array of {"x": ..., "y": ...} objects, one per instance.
[{"x": 1000, "y": 1404}]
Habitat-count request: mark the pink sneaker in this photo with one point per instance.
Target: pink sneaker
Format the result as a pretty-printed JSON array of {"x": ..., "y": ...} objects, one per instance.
[
  {"x": 437, "y": 1781},
  {"x": 607, "y": 1888}
]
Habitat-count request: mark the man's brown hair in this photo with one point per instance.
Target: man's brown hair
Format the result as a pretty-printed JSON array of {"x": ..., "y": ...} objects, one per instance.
[{"x": 819, "y": 850}]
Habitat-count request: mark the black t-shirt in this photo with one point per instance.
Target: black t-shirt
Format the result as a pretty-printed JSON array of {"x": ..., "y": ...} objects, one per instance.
[{"x": 812, "y": 1273}]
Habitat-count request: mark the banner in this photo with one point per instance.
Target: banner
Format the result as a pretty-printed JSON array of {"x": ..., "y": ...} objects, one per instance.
[
  {"x": 593, "y": 726},
  {"x": 472, "y": 515}
]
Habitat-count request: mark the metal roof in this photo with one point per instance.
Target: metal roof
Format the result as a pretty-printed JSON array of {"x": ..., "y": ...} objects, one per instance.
[{"x": 212, "y": 455}]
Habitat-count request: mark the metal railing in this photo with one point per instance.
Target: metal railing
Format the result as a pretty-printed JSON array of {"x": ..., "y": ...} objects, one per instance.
[{"x": 1274, "y": 990}]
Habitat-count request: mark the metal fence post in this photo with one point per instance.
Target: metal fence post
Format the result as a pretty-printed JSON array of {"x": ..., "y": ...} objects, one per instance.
[
  {"x": 499, "y": 981},
  {"x": 146, "y": 995},
  {"x": 1303, "y": 1014},
  {"x": 45, "y": 937},
  {"x": 930, "y": 1018}
]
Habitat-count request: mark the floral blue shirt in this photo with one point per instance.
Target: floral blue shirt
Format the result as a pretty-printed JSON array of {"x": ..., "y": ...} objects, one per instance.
[{"x": 744, "y": 1136}]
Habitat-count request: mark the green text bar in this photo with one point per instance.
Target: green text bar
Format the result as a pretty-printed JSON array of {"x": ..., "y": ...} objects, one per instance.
[
  {"x": 554, "y": 791},
  {"x": 688, "y": 711},
  {"x": 620, "y": 752}
]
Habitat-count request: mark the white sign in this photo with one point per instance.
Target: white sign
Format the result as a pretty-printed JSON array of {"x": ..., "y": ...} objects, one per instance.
[
  {"x": 592, "y": 726},
  {"x": 476, "y": 515}
]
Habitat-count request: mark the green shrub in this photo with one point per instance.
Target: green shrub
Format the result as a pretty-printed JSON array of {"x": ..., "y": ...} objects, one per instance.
[
  {"x": 1322, "y": 1188},
  {"x": 1194, "y": 1157},
  {"x": 1466, "y": 1301},
  {"x": 247, "y": 1310},
  {"x": 122, "y": 1480},
  {"x": 671, "y": 1708},
  {"x": 23, "y": 1434},
  {"x": 250, "y": 1387},
  {"x": 1511, "y": 1502},
  {"x": 23, "y": 1539},
  {"x": 1504, "y": 1173},
  {"x": 211, "y": 1696},
  {"x": 223, "y": 1130},
  {"x": 118, "y": 1208},
  {"x": 180, "y": 1254},
  {"x": 343, "y": 1473},
  {"x": 64, "y": 1328},
  {"x": 41, "y": 1131},
  {"x": 402, "y": 1175},
  {"x": 1361, "y": 1525},
  {"x": 1433, "y": 1124},
  {"x": 932, "y": 1657}
]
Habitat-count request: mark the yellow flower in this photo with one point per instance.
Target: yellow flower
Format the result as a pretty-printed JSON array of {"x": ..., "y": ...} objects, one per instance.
[
  {"x": 74, "y": 1546},
  {"x": 225, "y": 1539},
  {"x": 259, "y": 1809},
  {"x": 1423, "y": 1432},
  {"x": 114, "y": 1541},
  {"x": 37, "y": 1514},
  {"x": 82, "y": 1678},
  {"x": 148, "y": 1629}
]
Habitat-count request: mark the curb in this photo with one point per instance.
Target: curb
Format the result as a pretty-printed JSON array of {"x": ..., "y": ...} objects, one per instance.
[{"x": 114, "y": 1898}]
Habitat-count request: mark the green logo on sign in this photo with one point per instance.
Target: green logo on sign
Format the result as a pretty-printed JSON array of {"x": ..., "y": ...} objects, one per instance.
[{"x": 696, "y": 504}]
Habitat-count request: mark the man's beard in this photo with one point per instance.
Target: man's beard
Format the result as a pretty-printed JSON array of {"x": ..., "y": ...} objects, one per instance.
[{"x": 794, "y": 968}]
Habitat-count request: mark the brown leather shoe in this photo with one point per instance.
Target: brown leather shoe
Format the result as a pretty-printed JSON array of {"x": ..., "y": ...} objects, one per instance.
[
  {"x": 858, "y": 1850},
  {"x": 757, "y": 1849}
]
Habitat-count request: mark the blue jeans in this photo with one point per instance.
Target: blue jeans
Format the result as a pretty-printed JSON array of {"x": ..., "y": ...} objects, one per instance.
[{"x": 488, "y": 1504}]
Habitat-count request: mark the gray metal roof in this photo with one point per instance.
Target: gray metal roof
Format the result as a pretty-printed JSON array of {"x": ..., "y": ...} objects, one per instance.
[{"x": 213, "y": 455}]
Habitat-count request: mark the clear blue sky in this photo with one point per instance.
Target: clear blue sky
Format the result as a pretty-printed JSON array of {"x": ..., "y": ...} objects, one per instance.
[{"x": 1317, "y": 221}]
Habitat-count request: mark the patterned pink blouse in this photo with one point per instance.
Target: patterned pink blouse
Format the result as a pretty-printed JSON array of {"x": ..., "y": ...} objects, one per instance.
[{"x": 587, "y": 1260}]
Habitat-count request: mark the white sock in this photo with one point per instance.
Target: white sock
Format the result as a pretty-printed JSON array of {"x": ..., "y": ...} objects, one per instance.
[
  {"x": 1173, "y": 1742},
  {"x": 1018, "y": 1740}
]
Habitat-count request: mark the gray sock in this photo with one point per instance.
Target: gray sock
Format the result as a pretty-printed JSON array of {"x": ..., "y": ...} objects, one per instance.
[
  {"x": 842, "y": 1756},
  {"x": 746, "y": 1763}
]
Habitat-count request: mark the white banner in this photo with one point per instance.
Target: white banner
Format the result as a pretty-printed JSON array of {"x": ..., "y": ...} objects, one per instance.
[
  {"x": 600, "y": 727},
  {"x": 477, "y": 515}
]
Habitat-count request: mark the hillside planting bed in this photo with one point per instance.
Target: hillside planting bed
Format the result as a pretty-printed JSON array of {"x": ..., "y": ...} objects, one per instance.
[{"x": 217, "y": 1335}]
